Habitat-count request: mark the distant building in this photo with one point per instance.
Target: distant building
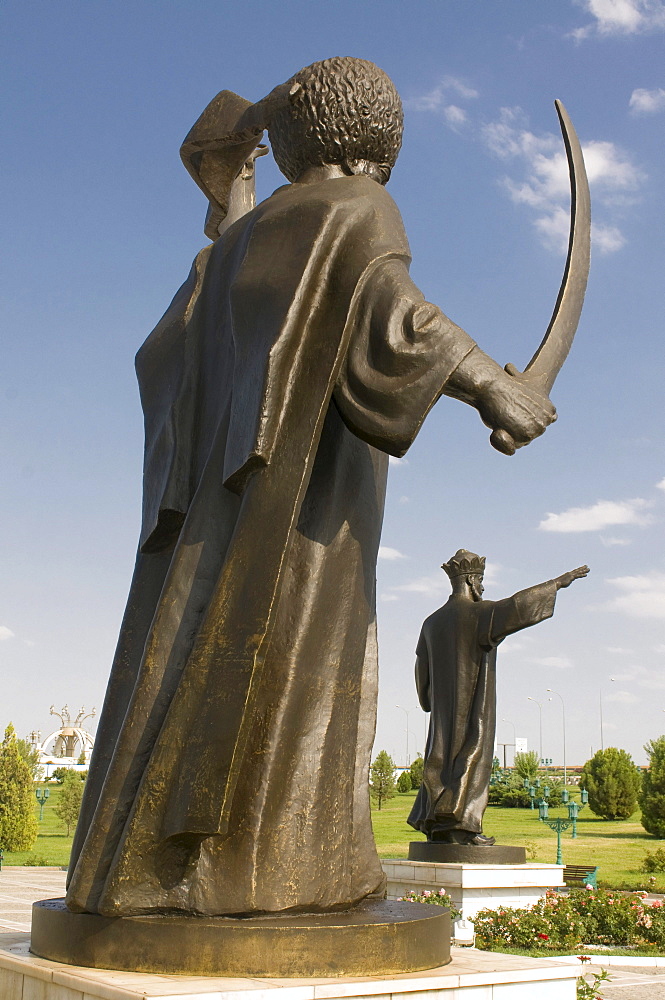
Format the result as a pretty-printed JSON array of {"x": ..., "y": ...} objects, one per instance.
[{"x": 68, "y": 746}]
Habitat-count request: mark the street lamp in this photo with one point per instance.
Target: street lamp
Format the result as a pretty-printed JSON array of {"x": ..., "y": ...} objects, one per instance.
[
  {"x": 406, "y": 712},
  {"x": 42, "y": 795},
  {"x": 563, "y": 716},
  {"x": 540, "y": 725}
]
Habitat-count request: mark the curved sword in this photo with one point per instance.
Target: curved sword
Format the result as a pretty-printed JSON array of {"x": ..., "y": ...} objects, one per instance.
[{"x": 544, "y": 366}]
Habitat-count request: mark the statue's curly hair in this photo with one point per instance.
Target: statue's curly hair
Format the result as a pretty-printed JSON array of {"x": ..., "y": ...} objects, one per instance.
[{"x": 342, "y": 110}]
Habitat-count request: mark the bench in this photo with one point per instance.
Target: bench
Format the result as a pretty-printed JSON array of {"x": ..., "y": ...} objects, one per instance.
[{"x": 580, "y": 875}]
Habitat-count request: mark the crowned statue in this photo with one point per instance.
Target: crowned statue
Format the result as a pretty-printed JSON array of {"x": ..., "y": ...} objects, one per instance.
[{"x": 456, "y": 684}]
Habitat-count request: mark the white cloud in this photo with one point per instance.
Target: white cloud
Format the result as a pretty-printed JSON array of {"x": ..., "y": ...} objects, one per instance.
[
  {"x": 602, "y": 514},
  {"x": 436, "y": 586},
  {"x": 544, "y": 184},
  {"x": 389, "y": 597},
  {"x": 641, "y": 596},
  {"x": 5, "y": 633},
  {"x": 438, "y": 100},
  {"x": 560, "y": 662},
  {"x": 404, "y": 500},
  {"x": 397, "y": 461},
  {"x": 661, "y": 485},
  {"x": 609, "y": 541},
  {"x": 385, "y": 552},
  {"x": 623, "y": 697},
  {"x": 454, "y": 116},
  {"x": 618, "y": 650},
  {"x": 621, "y": 17},
  {"x": 647, "y": 102}
]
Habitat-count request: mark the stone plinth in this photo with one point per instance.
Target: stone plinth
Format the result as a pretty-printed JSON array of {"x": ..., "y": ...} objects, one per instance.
[
  {"x": 377, "y": 937},
  {"x": 473, "y": 974},
  {"x": 474, "y": 887}
]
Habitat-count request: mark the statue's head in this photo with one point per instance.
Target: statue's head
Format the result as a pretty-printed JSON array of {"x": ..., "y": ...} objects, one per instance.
[
  {"x": 341, "y": 111},
  {"x": 466, "y": 569}
]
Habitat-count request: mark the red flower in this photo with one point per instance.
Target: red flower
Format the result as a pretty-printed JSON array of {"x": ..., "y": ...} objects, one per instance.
[{"x": 545, "y": 937}]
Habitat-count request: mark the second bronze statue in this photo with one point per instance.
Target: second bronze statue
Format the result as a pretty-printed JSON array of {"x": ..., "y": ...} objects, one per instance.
[{"x": 456, "y": 683}]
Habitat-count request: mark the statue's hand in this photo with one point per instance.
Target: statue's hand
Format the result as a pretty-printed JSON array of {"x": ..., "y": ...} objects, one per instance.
[
  {"x": 504, "y": 401},
  {"x": 507, "y": 404},
  {"x": 566, "y": 579}
]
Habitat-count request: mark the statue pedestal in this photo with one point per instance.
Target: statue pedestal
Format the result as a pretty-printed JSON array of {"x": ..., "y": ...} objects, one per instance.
[
  {"x": 474, "y": 974},
  {"x": 375, "y": 938},
  {"x": 474, "y": 887}
]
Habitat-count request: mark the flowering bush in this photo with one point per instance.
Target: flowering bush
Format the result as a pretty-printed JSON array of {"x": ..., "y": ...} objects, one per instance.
[
  {"x": 440, "y": 898},
  {"x": 561, "y": 922}
]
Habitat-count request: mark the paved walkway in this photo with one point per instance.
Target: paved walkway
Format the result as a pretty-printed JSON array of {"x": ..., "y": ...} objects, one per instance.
[{"x": 20, "y": 887}]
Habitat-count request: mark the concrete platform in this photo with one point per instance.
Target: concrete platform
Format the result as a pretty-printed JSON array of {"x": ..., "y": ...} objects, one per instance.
[
  {"x": 474, "y": 887},
  {"x": 472, "y": 975}
]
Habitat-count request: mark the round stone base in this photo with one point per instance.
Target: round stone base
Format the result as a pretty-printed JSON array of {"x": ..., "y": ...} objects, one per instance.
[
  {"x": 466, "y": 854},
  {"x": 375, "y": 938}
]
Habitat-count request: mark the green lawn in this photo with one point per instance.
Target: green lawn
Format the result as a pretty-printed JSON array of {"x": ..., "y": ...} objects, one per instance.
[
  {"x": 52, "y": 846},
  {"x": 617, "y": 847}
]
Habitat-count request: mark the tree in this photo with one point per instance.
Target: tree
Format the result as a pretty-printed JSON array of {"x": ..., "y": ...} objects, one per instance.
[
  {"x": 81, "y": 759},
  {"x": 652, "y": 793},
  {"x": 30, "y": 755},
  {"x": 527, "y": 764},
  {"x": 69, "y": 801},
  {"x": 612, "y": 781},
  {"x": 18, "y": 825},
  {"x": 382, "y": 778},
  {"x": 416, "y": 771},
  {"x": 404, "y": 782}
]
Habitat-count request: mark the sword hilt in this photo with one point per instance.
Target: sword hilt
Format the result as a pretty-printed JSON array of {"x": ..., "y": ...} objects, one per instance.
[{"x": 503, "y": 442}]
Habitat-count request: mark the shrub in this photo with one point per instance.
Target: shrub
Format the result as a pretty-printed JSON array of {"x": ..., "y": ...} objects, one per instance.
[
  {"x": 527, "y": 764},
  {"x": 440, "y": 898},
  {"x": 69, "y": 800},
  {"x": 654, "y": 861},
  {"x": 18, "y": 826},
  {"x": 652, "y": 794},
  {"x": 612, "y": 781},
  {"x": 416, "y": 771},
  {"x": 560, "y": 922},
  {"x": 404, "y": 782}
]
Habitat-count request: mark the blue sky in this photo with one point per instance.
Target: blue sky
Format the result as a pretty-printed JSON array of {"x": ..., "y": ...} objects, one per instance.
[{"x": 101, "y": 223}]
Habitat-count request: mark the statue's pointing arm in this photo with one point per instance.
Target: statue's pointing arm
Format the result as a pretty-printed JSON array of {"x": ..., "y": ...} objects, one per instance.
[
  {"x": 528, "y": 607},
  {"x": 404, "y": 353}
]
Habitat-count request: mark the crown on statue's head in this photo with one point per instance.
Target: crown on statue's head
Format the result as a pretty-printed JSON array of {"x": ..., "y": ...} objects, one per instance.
[{"x": 464, "y": 563}]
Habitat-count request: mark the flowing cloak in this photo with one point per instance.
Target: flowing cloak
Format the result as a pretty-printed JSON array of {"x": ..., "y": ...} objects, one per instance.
[
  {"x": 456, "y": 682},
  {"x": 230, "y": 768}
]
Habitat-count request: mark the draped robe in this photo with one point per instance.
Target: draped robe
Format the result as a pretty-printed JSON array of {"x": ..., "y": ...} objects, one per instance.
[
  {"x": 456, "y": 683},
  {"x": 229, "y": 774}
]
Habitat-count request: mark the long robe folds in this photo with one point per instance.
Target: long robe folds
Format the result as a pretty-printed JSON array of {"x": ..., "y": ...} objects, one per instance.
[
  {"x": 229, "y": 774},
  {"x": 456, "y": 682}
]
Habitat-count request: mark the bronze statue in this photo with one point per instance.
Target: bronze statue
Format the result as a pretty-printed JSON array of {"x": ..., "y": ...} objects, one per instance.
[
  {"x": 230, "y": 769},
  {"x": 456, "y": 684}
]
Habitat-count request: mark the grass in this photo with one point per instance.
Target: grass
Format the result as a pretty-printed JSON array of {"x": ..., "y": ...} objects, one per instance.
[
  {"x": 618, "y": 847},
  {"x": 52, "y": 846}
]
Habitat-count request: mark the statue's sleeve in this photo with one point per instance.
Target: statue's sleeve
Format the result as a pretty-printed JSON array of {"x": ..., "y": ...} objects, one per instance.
[
  {"x": 422, "y": 674},
  {"x": 401, "y": 352},
  {"x": 526, "y": 608}
]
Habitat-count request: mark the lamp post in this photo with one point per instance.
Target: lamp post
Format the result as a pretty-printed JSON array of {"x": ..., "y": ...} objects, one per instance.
[
  {"x": 406, "y": 712},
  {"x": 540, "y": 725},
  {"x": 41, "y": 798},
  {"x": 557, "y": 824},
  {"x": 563, "y": 716}
]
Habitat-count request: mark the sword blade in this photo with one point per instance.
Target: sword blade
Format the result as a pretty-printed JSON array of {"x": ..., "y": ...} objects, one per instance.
[{"x": 553, "y": 350}]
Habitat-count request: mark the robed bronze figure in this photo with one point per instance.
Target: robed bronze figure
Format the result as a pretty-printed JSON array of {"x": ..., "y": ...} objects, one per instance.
[
  {"x": 456, "y": 684},
  {"x": 230, "y": 768}
]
